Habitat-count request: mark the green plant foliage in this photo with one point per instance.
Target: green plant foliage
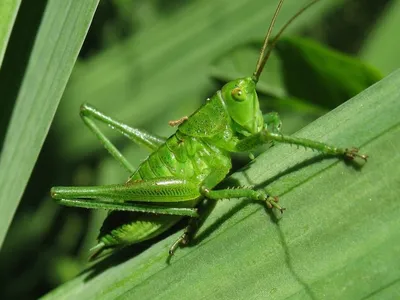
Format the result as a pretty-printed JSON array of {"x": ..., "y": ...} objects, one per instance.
[
  {"x": 8, "y": 12},
  {"x": 52, "y": 59},
  {"x": 381, "y": 46},
  {"x": 332, "y": 77}
]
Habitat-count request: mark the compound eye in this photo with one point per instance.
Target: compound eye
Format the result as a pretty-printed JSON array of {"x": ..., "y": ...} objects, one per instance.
[{"x": 238, "y": 95}]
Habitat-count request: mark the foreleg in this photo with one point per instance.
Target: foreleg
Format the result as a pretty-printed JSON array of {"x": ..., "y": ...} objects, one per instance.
[{"x": 266, "y": 136}]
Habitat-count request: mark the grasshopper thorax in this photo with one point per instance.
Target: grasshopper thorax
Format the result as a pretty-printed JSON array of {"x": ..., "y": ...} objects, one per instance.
[{"x": 240, "y": 98}]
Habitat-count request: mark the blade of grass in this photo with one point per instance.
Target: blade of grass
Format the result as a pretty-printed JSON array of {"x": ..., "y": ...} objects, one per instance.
[
  {"x": 8, "y": 13},
  {"x": 336, "y": 241},
  {"x": 56, "y": 48}
]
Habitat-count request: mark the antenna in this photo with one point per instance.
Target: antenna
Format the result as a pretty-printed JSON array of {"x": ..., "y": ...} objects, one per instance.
[{"x": 263, "y": 58}]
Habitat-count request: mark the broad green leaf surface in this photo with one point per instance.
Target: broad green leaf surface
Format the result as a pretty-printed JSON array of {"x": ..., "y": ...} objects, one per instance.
[
  {"x": 59, "y": 40},
  {"x": 169, "y": 63},
  {"x": 8, "y": 13},
  {"x": 337, "y": 239}
]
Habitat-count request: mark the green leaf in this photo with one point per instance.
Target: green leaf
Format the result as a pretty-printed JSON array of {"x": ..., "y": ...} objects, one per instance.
[
  {"x": 337, "y": 239},
  {"x": 324, "y": 76},
  {"x": 58, "y": 42},
  {"x": 8, "y": 13}
]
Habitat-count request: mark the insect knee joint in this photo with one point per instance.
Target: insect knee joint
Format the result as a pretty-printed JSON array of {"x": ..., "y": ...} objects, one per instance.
[
  {"x": 204, "y": 191},
  {"x": 85, "y": 108}
]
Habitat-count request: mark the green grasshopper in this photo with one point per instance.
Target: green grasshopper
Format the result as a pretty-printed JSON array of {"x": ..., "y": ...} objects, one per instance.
[{"x": 183, "y": 170}]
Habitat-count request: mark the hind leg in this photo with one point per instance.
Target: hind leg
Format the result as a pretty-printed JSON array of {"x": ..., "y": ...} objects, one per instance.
[{"x": 89, "y": 114}]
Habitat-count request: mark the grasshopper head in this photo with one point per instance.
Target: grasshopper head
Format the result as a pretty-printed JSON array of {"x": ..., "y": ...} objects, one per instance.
[{"x": 241, "y": 100}]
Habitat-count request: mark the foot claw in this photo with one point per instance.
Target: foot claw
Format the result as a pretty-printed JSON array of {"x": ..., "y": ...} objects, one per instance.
[
  {"x": 273, "y": 202},
  {"x": 352, "y": 153}
]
